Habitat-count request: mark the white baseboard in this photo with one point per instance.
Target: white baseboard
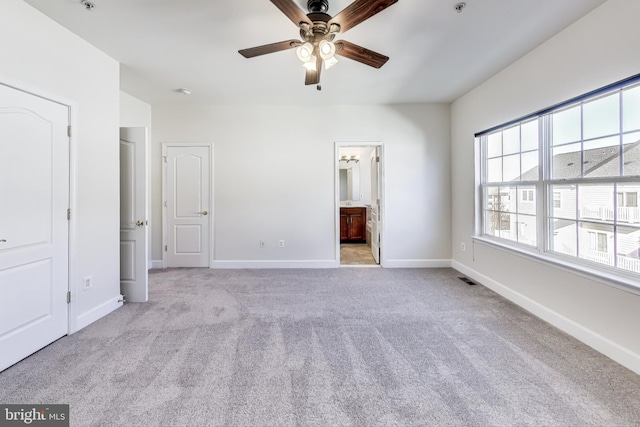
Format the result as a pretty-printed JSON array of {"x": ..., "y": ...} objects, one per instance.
[
  {"x": 620, "y": 354},
  {"x": 331, "y": 263},
  {"x": 155, "y": 264},
  {"x": 417, "y": 263},
  {"x": 87, "y": 318}
]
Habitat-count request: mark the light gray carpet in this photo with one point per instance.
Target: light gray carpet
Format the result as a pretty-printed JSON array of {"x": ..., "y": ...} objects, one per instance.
[{"x": 352, "y": 346}]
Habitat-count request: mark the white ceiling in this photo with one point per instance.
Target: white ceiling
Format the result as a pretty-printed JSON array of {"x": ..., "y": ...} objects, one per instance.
[{"x": 436, "y": 54}]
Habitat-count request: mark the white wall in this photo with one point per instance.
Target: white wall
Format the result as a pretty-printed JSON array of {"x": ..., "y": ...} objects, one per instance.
[
  {"x": 43, "y": 57},
  {"x": 257, "y": 153},
  {"x": 599, "y": 49},
  {"x": 134, "y": 112}
]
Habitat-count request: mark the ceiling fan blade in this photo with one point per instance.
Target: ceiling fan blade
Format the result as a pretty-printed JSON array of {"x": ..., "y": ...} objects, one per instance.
[
  {"x": 359, "y": 11},
  {"x": 312, "y": 77},
  {"x": 360, "y": 54},
  {"x": 268, "y": 48},
  {"x": 291, "y": 9}
]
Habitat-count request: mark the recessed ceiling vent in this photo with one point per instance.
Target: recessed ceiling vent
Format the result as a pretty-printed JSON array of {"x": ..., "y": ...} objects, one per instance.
[{"x": 88, "y": 5}]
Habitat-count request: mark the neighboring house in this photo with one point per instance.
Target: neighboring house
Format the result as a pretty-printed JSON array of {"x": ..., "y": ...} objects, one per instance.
[
  {"x": 600, "y": 211},
  {"x": 589, "y": 215}
]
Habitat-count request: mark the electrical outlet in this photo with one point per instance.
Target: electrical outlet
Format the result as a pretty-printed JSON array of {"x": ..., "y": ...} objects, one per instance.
[
  {"x": 261, "y": 243},
  {"x": 87, "y": 282},
  {"x": 281, "y": 243},
  {"x": 463, "y": 247}
]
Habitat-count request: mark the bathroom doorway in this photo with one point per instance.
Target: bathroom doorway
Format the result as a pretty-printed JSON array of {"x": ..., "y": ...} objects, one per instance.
[{"x": 359, "y": 201}]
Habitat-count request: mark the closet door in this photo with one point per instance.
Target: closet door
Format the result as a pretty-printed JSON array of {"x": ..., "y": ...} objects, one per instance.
[
  {"x": 34, "y": 229},
  {"x": 188, "y": 205}
]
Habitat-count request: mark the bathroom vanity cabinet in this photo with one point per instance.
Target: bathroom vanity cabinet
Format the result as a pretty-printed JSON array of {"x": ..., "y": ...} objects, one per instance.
[{"x": 353, "y": 225}]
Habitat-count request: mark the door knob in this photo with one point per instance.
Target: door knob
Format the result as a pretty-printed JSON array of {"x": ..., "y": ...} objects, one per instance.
[
  {"x": 139, "y": 223},
  {"x": 3, "y": 241},
  {"x": 204, "y": 213}
]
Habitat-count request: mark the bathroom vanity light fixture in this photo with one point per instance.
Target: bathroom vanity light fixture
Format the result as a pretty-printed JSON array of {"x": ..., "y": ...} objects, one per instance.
[{"x": 350, "y": 159}]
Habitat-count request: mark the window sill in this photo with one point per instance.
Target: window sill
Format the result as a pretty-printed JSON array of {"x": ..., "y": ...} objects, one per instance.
[{"x": 621, "y": 281}]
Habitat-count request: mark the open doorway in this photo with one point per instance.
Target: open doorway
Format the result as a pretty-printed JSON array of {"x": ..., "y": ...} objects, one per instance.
[{"x": 359, "y": 203}]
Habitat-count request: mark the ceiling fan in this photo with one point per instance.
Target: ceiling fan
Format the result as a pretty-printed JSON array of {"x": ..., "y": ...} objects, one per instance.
[{"x": 318, "y": 30}]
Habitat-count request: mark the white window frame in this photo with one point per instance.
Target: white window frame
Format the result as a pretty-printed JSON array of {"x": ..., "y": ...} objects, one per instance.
[{"x": 544, "y": 194}]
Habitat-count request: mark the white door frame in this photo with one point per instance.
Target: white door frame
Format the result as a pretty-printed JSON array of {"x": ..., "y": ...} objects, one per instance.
[
  {"x": 74, "y": 279},
  {"x": 336, "y": 166},
  {"x": 72, "y": 324},
  {"x": 165, "y": 145}
]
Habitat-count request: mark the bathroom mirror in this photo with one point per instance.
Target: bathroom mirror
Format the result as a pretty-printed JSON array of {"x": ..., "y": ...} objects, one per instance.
[{"x": 349, "y": 180}]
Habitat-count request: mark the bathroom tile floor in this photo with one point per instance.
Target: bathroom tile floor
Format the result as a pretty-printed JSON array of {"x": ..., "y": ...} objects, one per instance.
[{"x": 356, "y": 254}]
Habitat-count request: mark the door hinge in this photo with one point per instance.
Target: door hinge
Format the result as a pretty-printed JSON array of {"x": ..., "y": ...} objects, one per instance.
[
  {"x": 69, "y": 297},
  {"x": 68, "y": 214},
  {"x": 377, "y": 159},
  {"x": 165, "y": 248},
  {"x": 69, "y": 131},
  {"x": 165, "y": 158}
]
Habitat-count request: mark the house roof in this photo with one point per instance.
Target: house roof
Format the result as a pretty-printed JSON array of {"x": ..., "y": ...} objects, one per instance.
[{"x": 598, "y": 162}]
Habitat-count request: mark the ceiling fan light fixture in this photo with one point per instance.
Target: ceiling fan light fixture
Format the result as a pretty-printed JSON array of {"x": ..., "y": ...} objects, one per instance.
[
  {"x": 310, "y": 64},
  {"x": 305, "y": 52},
  {"x": 327, "y": 49},
  {"x": 330, "y": 62}
]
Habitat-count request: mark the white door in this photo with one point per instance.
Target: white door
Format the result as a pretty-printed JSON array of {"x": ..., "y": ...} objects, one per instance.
[
  {"x": 134, "y": 279},
  {"x": 375, "y": 204},
  {"x": 188, "y": 207},
  {"x": 34, "y": 230}
]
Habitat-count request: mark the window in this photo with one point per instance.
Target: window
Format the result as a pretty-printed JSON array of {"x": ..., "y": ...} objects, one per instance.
[
  {"x": 527, "y": 195},
  {"x": 627, "y": 200},
  {"x": 565, "y": 181},
  {"x": 597, "y": 241}
]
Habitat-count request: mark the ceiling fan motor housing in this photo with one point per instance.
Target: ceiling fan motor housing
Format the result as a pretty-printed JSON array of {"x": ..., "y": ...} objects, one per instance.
[
  {"x": 319, "y": 28},
  {"x": 318, "y": 6}
]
